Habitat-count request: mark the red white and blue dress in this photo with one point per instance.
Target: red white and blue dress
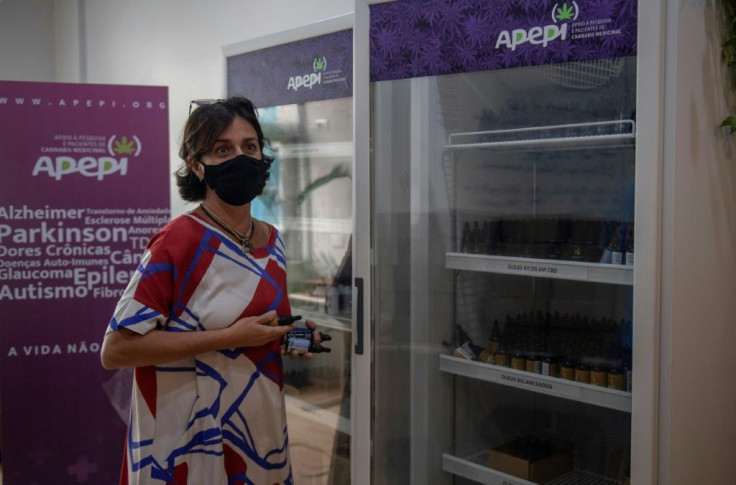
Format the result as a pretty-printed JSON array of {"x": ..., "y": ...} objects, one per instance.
[{"x": 217, "y": 418}]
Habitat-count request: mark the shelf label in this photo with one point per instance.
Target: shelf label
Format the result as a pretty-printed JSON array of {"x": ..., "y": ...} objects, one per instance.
[
  {"x": 540, "y": 385},
  {"x": 548, "y": 270}
]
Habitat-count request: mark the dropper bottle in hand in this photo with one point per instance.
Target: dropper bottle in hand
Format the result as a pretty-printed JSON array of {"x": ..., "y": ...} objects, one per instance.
[{"x": 281, "y": 320}]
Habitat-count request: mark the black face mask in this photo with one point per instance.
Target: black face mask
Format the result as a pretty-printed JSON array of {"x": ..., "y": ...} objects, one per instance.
[{"x": 237, "y": 181}]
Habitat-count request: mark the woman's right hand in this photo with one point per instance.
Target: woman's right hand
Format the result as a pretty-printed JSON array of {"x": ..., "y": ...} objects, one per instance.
[{"x": 255, "y": 331}]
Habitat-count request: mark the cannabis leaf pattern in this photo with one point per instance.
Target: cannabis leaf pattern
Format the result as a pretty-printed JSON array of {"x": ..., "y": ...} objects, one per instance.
[
  {"x": 415, "y": 38},
  {"x": 124, "y": 146},
  {"x": 565, "y": 12}
]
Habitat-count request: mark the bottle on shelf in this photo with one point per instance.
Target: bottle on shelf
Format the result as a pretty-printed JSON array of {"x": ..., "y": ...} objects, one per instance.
[
  {"x": 488, "y": 354},
  {"x": 567, "y": 370},
  {"x": 627, "y": 373},
  {"x": 476, "y": 239},
  {"x": 611, "y": 245},
  {"x": 550, "y": 367},
  {"x": 518, "y": 361},
  {"x": 534, "y": 363},
  {"x": 629, "y": 248},
  {"x": 617, "y": 247},
  {"x": 582, "y": 373},
  {"x": 616, "y": 379},
  {"x": 465, "y": 241},
  {"x": 502, "y": 358},
  {"x": 598, "y": 376},
  {"x": 466, "y": 349}
]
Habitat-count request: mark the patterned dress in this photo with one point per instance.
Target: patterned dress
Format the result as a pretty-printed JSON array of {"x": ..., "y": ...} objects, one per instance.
[{"x": 217, "y": 418}]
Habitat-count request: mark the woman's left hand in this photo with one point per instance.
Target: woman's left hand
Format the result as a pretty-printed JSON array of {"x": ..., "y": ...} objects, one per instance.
[{"x": 316, "y": 339}]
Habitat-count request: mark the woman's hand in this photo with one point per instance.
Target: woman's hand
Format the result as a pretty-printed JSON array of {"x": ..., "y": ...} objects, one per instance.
[
  {"x": 255, "y": 331},
  {"x": 316, "y": 338}
]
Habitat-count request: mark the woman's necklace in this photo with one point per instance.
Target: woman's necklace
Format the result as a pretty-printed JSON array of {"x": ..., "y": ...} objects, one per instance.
[{"x": 244, "y": 239}]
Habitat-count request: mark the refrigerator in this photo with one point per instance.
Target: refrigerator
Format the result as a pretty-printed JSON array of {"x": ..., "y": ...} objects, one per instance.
[
  {"x": 496, "y": 241},
  {"x": 301, "y": 83}
]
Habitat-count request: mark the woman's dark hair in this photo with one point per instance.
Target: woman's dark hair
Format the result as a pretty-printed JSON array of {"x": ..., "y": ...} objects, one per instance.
[{"x": 202, "y": 129}]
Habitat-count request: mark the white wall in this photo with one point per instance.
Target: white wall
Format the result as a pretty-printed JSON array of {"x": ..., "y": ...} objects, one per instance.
[
  {"x": 698, "y": 361},
  {"x": 26, "y": 40},
  {"x": 174, "y": 43},
  {"x": 178, "y": 44}
]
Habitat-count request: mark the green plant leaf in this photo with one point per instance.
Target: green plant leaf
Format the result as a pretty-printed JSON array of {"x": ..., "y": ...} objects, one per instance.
[
  {"x": 336, "y": 173},
  {"x": 730, "y": 42},
  {"x": 730, "y": 123}
]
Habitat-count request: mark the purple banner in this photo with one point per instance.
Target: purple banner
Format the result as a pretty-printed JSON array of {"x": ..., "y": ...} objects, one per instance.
[
  {"x": 415, "y": 38},
  {"x": 85, "y": 184},
  {"x": 313, "y": 69}
]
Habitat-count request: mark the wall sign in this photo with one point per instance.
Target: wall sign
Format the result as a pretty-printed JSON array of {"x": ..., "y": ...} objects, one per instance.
[
  {"x": 85, "y": 184},
  {"x": 312, "y": 69}
]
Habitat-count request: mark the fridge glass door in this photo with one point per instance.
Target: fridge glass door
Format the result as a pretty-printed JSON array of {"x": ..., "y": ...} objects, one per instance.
[
  {"x": 503, "y": 275},
  {"x": 309, "y": 199}
]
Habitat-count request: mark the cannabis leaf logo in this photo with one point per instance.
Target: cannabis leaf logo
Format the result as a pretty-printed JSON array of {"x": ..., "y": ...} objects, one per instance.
[
  {"x": 319, "y": 64},
  {"x": 565, "y": 12},
  {"x": 124, "y": 146}
]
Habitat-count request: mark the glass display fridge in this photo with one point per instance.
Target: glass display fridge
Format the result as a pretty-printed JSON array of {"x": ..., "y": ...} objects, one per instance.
[
  {"x": 501, "y": 156},
  {"x": 305, "y": 109}
]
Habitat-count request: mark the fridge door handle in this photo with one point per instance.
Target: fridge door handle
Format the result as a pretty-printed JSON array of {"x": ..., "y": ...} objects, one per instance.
[{"x": 359, "y": 316}]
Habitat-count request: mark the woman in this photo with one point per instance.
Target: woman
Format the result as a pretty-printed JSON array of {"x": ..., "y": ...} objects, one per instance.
[{"x": 207, "y": 404}]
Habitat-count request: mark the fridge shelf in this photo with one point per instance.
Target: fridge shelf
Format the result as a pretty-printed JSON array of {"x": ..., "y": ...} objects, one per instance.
[
  {"x": 553, "y": 386},
  {"x": 474, "y": 467},
  {"x": 620, "y": 133},
  {"x": 542, "y": 268}
]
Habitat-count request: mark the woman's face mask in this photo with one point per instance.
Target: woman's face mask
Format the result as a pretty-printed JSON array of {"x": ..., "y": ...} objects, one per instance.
[{"x": 237, "y": 181}]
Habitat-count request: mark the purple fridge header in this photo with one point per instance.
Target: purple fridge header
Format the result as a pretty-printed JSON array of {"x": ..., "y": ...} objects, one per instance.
[
  {"x": 415, "y": 38},
  {"x": 313, "y": 69}
]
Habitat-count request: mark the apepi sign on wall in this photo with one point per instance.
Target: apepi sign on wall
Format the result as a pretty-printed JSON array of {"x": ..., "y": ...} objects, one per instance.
[{"x": 85, "y": 184}]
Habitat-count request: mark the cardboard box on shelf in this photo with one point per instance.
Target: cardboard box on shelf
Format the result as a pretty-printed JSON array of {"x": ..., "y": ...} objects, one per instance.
[{"x": 558, "y": 460}]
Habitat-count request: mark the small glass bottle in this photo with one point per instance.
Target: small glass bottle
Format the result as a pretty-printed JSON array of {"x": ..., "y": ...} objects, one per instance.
[
  {"x": 627, "y": 374},
  {"x": 582, "y": 373},
  {"x": 303, "y": 345},
  {"x": 487, "y": 355},
  {"x": 567, "y": 370},
  {"x": 502, "y": 358},
  {"x": 465, "y": 241},
  {"x": 616, "y": 379},
  {"x": 281, "y": 320},
  {"x": 598, "y": 377},
  {"x": 550, "y": 367},
  {"x": 629, "y": 248},
  {"x": 534, "y": 364},
  {"x": 476, "y": 239},
  {"x": 466, "y": 349},
  {"x": 518, "y": 361}
]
